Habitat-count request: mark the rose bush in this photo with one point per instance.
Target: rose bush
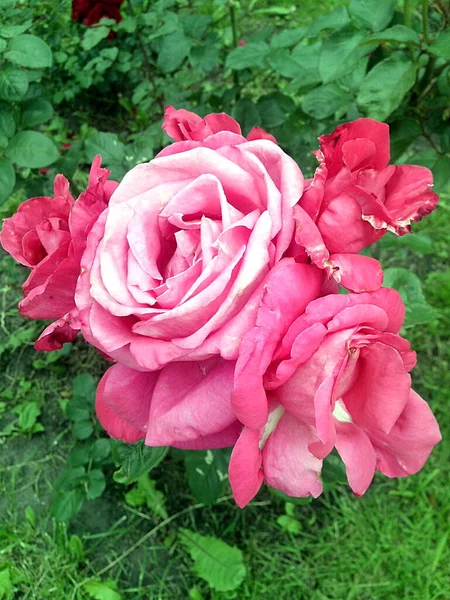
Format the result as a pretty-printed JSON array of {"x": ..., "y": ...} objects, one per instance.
[
  {"x": 170, "y": 265},
  {"x": 355, "y": 197},
  {"x": 338, "y": 379},
  {"x": 48, "y": 235}
]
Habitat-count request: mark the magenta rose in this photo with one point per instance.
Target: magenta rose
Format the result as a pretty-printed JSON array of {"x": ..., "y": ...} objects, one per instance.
[
  {"x": 169, "y": 267},
  {"x": 189, "y": 404},
  {"x": 338, "y": 379},
  {"x": 183, "y": 125},
  {"x": 355, "y": 197},
  {"x": 48, "y": 235}
]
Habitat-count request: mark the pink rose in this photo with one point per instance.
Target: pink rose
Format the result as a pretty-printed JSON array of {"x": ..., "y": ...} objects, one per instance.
[
  {"x": 48, "y": 235},
  {"x": 186, "y": 240},
  {"x": 183, "y": 125},
  {"x": 338, "y": 379},
  {"x": 189, "y": 404},
  {"x": 355, "y": 197}
]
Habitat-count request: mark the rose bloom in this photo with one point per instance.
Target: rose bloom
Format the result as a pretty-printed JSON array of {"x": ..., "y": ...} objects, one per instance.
[
  {"x": 48, "y": 235},
  {"x": 169, "y": 267},
  {"x": 90, "y": 12},
  {"x": 189, "y": 404},
  {"x": 355, "y": 197},
  {"x": 183, "y": 125},
  {"x": 338, "y": 379}
]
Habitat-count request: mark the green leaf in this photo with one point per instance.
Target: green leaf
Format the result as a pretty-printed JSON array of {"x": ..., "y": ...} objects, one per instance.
[
  {"x": 419, "y": 243},
  {"x": 202, "y": 469},
  {"x": 336, "y": 19},
  {"x": 373, "y": 14},
  {"x": 36, "y": 112},
  {"x": 67, "y": 504},
  {"x": 289, "y": 524},
  {"x": 6, "y": 586},
  {"x": 353, "y": 80},
  {"x": 441, "y": 173},
  {"x": 108, "y": 145},
  {"x": 221, "y": 565},
  {"x": 76, "y": 547},
  {"x": 282, "y": 63},
  {"x": 397, "y": 33},
  {"x": 29, "y": 51},
  {"x": 28, "y": 414},
  {"x": 135, "y": 460},
  {"x": 76, "y": 412},
  {"x": 3, "y": 44},
  {"x": 441, "y": 47},
  {"x": 7, "y": 121},
  {"x": 102, "y": 590},
  {"x": 10, "y": 31},
  {"x": 410, "y": 288},
  {"x": 308, "y": 59},
  {"x": 32, "y": 149},
  {"x": 424, "y": 158},
  {"x": 13, "y": 83},
  {"x": 323, "y": 101},
  {"x": 340, "y": 53},
  {"x": 403, "y": 132},
  {"x": 385, "y": 86},
  {"x": 195, "y": 25},
  {"x": 93, "y": 36},
  {"x": 204, "y": 58},
  {"x": 83, "y": 389},
  {"x": 70, "y": 479},
  {"x": 101, "y": 449},
  {"x": 274, "y": 109},
  {"x": 96, "y": 484},
  {"x": 279, "y": 11},
  {"x": 333, "y": 471},
  {"x": 287, "y": 38},
  {"x": 174, "y": 49},
  {"x": 79, "y": 456},
  {"x": 7, "y": 180},
  {"x": 81, "y": 430},
  {"x": 245, "y": 57},
  {"x": 146, "y": 494},
  {"x": 246, "y": 114},
  {"x": 127, "y": 24},
  {"x": 110, "y": 53}
]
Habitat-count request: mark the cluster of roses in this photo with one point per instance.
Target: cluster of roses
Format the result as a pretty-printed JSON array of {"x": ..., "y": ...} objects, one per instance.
[{"x": 210, "y": 277}]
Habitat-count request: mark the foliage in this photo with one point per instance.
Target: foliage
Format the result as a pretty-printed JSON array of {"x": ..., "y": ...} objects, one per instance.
[
  {"x": 83, "y": 478},
  {"x": 24, "y": 102},
  {"x": 221, "y": 565}
]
